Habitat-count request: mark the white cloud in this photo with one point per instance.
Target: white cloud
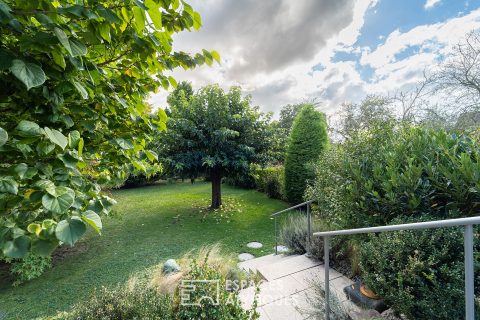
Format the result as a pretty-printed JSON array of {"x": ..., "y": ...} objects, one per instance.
[
  {"x": 273, "y": 64},
  {"x": 431, "y": 3},
  {"x": 269, "y": 45},
  {"x": 436, "y": 39}
]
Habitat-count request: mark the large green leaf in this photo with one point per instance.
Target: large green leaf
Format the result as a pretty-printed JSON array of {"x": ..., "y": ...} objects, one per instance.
[
  {"x": 46, "y": 185},
  {"x": 3, "y": 136},
  {"x": 80, "y": 147},
  {"x": 17, "y": 248},
  {"x": 83, "y": 92},
  {"x": 154, "y": 13},
  {"x": 5, "y": 10},
  {"x": 60, "y": 202},
  {"x": 56, "y": 137},
  {"x": 104, "y": 30},
  {"x": 30, "y": 74},
  {"x": 70, "y": 230},
  {"x": 73, "y": 139},
  {"x": 20, "y": 169},
  {"x": 215, "y": 55},
  {"x": 139, "y": 15},
  {"x": 59, "y": 59},
  {"x": 108, "y": 14},
  {"x": 94, "y": 220},
  {"x": 125, "y": 144},
  {"x": 28, "y": 129},
  {"x": 197, "y": 21},
  {"x": 63, "y": 38},
  {"x": 8, "y": 185},
  {"x": 151, "y": 155},
  {"x": 78, "y": 48}
]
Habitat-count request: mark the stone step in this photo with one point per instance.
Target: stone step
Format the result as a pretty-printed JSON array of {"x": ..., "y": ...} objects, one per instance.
[
  {"x": 271, "y": 291},
  {"x": 254, "y": 264},
  {"x": 284, "y": 267}
]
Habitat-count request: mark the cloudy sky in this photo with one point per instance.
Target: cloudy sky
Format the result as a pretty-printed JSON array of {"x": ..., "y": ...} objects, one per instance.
[{"x": 334, "y": 51}]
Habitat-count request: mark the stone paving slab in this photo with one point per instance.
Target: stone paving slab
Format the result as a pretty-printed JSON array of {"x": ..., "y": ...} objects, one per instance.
[
  {"x": 318, "y": 272},
  {"x": 252, "y": 265},
  {"x": 282, "y": 310},
  {"x": 286, "y": 267},
  {"x": 271, "y": 291}
]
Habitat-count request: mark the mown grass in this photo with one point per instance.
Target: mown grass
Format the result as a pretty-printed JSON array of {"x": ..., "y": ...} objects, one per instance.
[{"x": 151, "y": 224}]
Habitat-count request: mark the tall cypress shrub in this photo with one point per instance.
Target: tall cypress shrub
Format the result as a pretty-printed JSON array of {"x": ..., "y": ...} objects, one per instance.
[{"x": 307, "y": 140}]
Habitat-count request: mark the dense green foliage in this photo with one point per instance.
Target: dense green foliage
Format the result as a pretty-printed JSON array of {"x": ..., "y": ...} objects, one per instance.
[
  {"x": 419, "y": 273},
  {"x": 122, "y": 302},
  {"x": 392, "y": 173},
  {"x": 73, "y": 80},
  {"x": 30, "y": 267},
  {"x": 281, "y": 129},
  {"x": 265, "y": 179},
  {"x": 149, "y": 226},
  {"x": 213, "y": 132},
  {"x": 270, "y": 180},
  {"x": 138, "y": 300},
  {"x": 307, "y": 141}
]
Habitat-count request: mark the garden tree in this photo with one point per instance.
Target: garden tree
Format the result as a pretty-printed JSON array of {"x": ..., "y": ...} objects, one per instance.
[
  {"x": 214, "y": 132},
  {"x": 74, "y": 76},
  {"x": 459, "y": 75},
  {"x": 307, "y": 140},
  {"x": 354, "y": 117},
  {"x": 182, "y": 91},
  {"x": 288, "y": 114}
]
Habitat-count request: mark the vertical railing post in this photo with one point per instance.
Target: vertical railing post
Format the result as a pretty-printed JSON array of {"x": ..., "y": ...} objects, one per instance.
[
  {"x": 326, "y": 259},
  {"x": 309, "y": 228},
  {"x": 276, "y": 237},
  {"x": 469, "y": 289}
]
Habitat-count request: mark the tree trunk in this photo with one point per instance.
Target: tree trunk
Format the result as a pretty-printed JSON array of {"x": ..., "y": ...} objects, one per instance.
[{"x": 216, "y": 176}]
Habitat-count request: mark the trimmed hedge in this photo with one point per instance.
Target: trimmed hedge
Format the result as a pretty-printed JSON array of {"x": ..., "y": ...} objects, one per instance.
[
  {"x": 393, "y": 171},
  {"x": 419, "y": 273},
  {"x": 270, "y": 181},
  {"x": 307, "y": 140}
]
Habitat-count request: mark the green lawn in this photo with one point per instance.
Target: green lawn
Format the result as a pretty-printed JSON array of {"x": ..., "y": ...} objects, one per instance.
[{"x": 151, "y": 225}]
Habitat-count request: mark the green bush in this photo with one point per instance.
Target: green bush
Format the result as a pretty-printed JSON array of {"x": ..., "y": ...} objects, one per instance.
[
  {"x": 28, "y": 268},
  {"x": 307, "y": 140},
  {"x": 122, "y": 302},
  {"x": 242, "y": 180},
  {"x": 159, "y": 296},
  {"x": 391, "y": 171},
  {"x": 270, "y": 181},
  {"x": 418, "y": 171},
  {"x": 418, "y": 273}
]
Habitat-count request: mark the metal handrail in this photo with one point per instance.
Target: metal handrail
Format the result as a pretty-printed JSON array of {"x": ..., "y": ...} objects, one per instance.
[
  {"x": 309, "y": 223},
  {"x": 291, "y": 208},
  {"x": 467, "y": 223}
]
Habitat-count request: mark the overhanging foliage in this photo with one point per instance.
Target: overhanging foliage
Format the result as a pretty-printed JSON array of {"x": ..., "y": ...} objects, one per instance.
[{"x": 73, "y": 80}]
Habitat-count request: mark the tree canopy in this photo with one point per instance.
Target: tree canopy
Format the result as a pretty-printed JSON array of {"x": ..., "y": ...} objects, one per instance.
[
  {"x": 214, "y": 132},
  {"x": 74, "y": 77},
  {"x": 309, "y": 137}
]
